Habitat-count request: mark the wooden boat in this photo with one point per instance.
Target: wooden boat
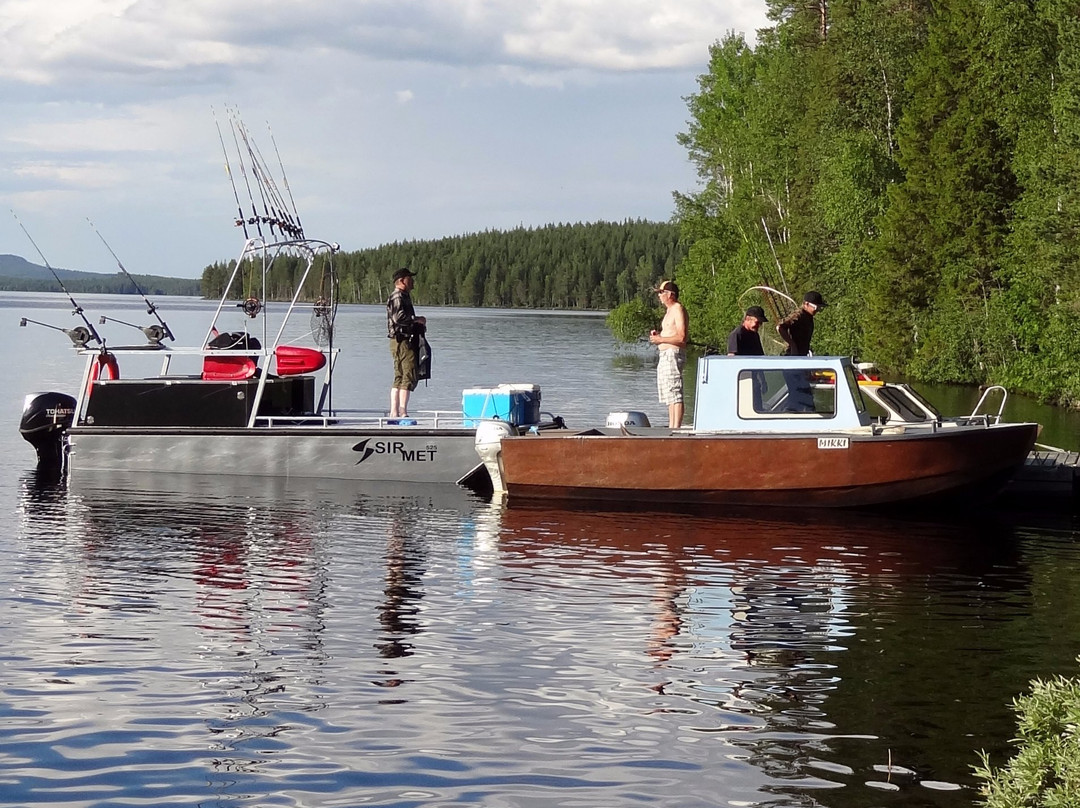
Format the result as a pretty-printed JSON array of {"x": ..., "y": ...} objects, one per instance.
[{"x": 786, "y": 431}]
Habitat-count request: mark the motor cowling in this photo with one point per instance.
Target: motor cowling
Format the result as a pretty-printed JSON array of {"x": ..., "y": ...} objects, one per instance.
[
  {"x": 489, "y": 435},
  {"x": 45, "y": 419},
  {"x": 627, "y": 418}
]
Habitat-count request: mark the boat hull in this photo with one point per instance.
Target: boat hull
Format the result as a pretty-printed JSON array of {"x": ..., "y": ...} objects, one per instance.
[
  {"x": 385, "y": 453},
  {"x": 813, "y": 470}
]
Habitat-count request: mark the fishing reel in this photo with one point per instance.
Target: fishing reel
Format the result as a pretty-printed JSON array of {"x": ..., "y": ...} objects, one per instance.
[
  {"x": 79, "y": 335},
  {"x": 252, "y": 306},
  {"x": 154, "y": 333}
]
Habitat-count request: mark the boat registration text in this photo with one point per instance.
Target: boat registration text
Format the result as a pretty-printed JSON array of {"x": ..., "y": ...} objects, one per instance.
[{"x": 832, "y": 443}]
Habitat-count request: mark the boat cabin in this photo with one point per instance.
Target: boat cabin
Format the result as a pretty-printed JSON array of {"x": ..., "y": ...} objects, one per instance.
[{"x": 778, "y": 394}]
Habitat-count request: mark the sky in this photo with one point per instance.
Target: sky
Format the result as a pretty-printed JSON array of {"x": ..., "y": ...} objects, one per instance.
[{"x": 395, "y": 120}]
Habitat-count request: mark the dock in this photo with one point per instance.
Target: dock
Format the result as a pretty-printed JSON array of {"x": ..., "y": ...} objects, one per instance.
[{"x": 1049, "y": 476}]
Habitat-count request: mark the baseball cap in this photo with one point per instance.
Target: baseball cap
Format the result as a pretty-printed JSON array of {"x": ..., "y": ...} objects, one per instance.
[
  {"x": 757, "y": 311},
  {"x": 667, "y": 286},
  {"x": 815, "y": 298},
  {"x": 403, "y": 273}
]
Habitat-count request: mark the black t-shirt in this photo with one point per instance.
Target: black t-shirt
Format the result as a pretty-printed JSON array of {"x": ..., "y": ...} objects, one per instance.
[{"x": 744, "y": 342}]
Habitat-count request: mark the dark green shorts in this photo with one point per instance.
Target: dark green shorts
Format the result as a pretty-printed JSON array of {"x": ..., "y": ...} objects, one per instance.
[{"x": 405, "y": 373}]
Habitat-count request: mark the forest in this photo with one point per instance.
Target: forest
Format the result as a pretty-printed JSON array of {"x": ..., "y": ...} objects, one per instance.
[
  {"x": 916, "y": 162},
  {"x": 100, "y": 283},
  {"x": 562, "y": 266}
]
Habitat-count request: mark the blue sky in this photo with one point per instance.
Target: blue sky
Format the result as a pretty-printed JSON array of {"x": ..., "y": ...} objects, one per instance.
[{"x": 395, "y": 119}]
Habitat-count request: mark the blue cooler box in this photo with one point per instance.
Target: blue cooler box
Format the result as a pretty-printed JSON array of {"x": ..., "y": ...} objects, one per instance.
[{"x": 517, "y": 404}]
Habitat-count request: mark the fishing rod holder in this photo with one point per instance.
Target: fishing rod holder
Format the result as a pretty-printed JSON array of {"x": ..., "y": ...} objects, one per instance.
[
  {"x": 154, "y": 333},
  {"x": 79, "y": 336}
]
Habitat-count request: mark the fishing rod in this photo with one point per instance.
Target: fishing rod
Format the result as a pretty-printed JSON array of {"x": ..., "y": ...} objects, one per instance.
[
  {"x": 265, "y": 177},
  {"x": 243, "y": 173},
  {"x": 260, "y": 181},
  {"x": 780, "y": 269},
  {"x": 285, "y": 180},
  {"x": 240, "y": 220},
  {"x": 150, "y": 331},
  {"x": 92, "y": 333},
  {"x": 709, "y": 349}
]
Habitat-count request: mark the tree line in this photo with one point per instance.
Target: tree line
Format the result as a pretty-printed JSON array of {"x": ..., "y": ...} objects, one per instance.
[
  {"x": 93, "y": 283},
  {"x": 916, "y": 162},
  {"x": 560, "y": 266}
]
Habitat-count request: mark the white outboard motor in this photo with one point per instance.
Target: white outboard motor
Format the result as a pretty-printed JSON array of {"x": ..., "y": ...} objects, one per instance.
[
  {"x": 45, "y": 419},
  {"x": 489, "y": 436},
  {"x": 630, "y": 418}
]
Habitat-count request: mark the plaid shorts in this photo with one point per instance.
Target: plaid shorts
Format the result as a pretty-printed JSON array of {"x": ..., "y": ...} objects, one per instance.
[{"x": 669, "y": 376}]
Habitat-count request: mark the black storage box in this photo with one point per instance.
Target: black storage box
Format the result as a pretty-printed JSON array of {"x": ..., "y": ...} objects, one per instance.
[{"x": 194, "y": 402}]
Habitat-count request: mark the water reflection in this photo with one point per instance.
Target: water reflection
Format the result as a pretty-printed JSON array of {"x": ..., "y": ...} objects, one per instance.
[
  {"x": 297, "y": 637},
  {"x": 756, "y": 625}
]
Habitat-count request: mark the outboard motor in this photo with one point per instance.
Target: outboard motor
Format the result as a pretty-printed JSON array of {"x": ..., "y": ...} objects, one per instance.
[
  {"x": 631, "y": 418},
  {"x": 489, "y": 437},
  {"x": 45, "y": 419}
]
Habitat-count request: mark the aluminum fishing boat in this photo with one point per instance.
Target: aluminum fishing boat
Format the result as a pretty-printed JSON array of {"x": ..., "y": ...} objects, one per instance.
[
  {"x": 254, "y": 397},
  {"x": 252, "y": 401},
  {"x": 772, "y": 430}
]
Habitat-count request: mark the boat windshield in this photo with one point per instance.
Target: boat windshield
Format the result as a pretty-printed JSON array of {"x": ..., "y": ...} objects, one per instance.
[
  {"x": 800, "y": 393},
  {"x": 861, "y": 406}
]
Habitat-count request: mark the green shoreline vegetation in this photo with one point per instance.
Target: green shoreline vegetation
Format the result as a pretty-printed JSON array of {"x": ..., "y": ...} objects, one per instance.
[{"x": 918, "y": 163}]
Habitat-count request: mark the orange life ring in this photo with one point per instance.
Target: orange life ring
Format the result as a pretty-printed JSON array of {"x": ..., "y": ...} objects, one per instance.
[{"x": 105, "y": 367}]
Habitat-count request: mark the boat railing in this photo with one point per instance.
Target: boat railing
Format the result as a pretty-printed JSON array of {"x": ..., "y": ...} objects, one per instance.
[
  {"x": 975, "y": 420},
  {"x": 995, "y": 417},
  {"x": 424, "y": 419}
]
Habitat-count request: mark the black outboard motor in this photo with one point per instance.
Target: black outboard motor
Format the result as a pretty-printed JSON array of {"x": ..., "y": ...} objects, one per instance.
[{"x": 45, "y": 419}]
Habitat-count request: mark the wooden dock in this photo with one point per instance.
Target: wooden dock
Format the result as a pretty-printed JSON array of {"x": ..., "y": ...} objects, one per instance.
[{"x": 1049, "y": 476}]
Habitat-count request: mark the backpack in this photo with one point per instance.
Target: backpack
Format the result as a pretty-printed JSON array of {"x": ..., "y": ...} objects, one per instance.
[{"x": 423, "y": 358}]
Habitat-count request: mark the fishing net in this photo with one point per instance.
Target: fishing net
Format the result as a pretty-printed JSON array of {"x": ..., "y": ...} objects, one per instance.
[{"x": 324, "y": 308}]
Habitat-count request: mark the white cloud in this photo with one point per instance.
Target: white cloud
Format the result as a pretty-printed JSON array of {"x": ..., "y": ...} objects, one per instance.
[
  {"x": 53, "y": 40},
  {"x": 396, "y": 119}
]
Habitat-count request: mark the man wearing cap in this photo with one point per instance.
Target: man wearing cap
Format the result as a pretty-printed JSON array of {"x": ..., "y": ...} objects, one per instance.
[
  {"x": 671, "y": 340},
  {"x": 745, "y": 340},
  {"x": 797, "y": 329},
  {"x": 403, "y": 328}
]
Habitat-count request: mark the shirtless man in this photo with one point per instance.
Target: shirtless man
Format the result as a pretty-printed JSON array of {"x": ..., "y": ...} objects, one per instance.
[{"x": 671, "y": 340}]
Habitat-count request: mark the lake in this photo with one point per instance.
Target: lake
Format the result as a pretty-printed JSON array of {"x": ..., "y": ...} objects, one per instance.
[{"x": 175, "y": 640}]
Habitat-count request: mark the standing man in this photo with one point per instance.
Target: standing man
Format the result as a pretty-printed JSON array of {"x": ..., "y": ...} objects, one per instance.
[
  {"x": 671, "y": 340},
  {"x": 402, "y": 327},
  {"x": 797, "y": 329},
  {"x": 745, "y": 340}
]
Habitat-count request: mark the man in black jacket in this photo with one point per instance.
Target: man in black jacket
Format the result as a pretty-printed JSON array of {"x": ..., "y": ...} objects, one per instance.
[
  {"x": 402, "y": 328},
  {"x": 797, "y": 329}
]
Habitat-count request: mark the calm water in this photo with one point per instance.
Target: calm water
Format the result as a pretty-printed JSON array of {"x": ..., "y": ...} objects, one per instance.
[{"x": 209, "y": 641}]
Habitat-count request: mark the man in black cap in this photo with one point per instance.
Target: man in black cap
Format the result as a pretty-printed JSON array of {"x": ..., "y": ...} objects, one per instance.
[
  {"x": 403, "y": 328},
  {"x": 797, "y": 329},
  {"x": 745, "y": 340}
]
